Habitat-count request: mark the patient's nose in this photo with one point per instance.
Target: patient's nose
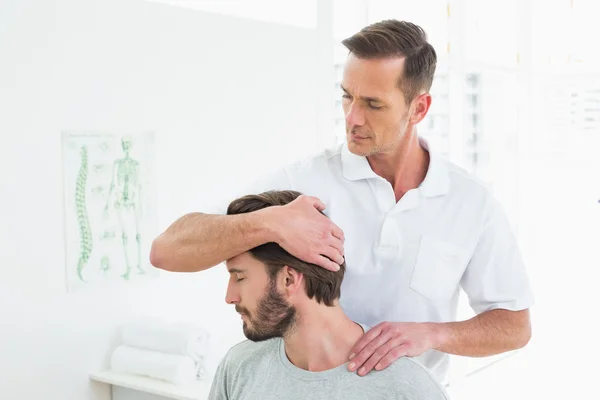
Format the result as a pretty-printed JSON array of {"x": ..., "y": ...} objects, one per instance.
[{"x": 232, "y": 296}]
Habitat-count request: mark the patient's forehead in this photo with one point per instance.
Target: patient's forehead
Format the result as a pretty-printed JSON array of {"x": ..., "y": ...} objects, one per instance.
[{"x": 244, "y": 262}]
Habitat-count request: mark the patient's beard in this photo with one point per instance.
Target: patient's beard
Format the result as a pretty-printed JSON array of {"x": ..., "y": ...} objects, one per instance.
[{"x": 274, "y": 317}]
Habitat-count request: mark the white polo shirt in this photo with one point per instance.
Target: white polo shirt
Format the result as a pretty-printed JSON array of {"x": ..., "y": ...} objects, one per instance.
[{"x": 406, "y": 261}]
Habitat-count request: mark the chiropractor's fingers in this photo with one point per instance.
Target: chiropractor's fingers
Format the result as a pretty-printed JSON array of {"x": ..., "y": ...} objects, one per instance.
[
  {"x": 313, "y": 236},
  {"x": 337, "y": 233},
  {"x": 338, "y": 246},
  {"x": 333, "y": 253},
  {"x": 366, "y": 346},
  {"x": 315, "y": 201},
  {"x": 393, "y": 354},
  {"x": 319, "y": 205},
  {"x": 326, "y": 263},
  {"x": 385, "y": 352}
]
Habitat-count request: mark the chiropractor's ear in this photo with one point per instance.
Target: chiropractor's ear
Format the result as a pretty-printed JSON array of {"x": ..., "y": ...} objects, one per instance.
[{"x": 420, "y": 107}]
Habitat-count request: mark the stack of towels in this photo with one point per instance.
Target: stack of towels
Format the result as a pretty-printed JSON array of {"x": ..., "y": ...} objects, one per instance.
[{"x": 172, "y": 352}]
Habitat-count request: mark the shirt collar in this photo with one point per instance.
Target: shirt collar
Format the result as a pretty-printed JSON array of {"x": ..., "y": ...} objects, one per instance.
[
  {"x": 355, "y": 167},
  {"x": 437, "y": 179},
  {"x": 436, "y": 182}
]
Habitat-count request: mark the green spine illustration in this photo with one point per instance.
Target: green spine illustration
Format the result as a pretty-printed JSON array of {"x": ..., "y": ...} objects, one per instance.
[{"x": 85, "y": 232}]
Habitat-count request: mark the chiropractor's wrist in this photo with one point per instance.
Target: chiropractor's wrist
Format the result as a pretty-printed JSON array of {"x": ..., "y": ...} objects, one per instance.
[
  {"x": 440, "y": 334},
  {"x": 266, "y": 221}
]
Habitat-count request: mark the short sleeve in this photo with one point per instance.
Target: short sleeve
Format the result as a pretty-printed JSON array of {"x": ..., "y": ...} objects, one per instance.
[
  {"x": 496, "y": 276},
  {"x": 276, "y": 180}
]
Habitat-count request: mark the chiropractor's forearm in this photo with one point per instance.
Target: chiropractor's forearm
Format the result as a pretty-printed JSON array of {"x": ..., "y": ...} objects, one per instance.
[
  {"x": 489, "y": 333},
  {"x": 197, "y": 241}
]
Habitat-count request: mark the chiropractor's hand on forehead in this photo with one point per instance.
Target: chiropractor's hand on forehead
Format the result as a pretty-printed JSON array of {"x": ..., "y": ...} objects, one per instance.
[{"x": 307, "y": 234}]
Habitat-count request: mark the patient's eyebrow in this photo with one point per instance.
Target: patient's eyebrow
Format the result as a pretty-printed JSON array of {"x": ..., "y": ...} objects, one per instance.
[{"x": 235, "y": 270}]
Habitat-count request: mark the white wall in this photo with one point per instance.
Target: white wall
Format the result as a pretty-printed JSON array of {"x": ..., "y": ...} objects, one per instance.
[
  {"x": 301, "y": 13},
  {"x": 220, "y": 92}
]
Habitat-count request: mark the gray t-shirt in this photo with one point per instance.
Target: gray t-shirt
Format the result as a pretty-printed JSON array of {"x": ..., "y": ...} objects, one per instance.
[{"x": 262, "y": 371}]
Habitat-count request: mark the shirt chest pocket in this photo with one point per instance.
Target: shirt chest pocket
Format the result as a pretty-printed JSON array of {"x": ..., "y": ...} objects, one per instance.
[{"x": 438, "y": 269}]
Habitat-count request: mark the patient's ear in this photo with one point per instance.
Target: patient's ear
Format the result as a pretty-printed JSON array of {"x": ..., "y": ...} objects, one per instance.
[{"x": 291, "y": 281}]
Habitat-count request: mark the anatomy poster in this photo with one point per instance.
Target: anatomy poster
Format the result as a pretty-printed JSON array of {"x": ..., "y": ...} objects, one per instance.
[{"x": 110, "y": 207}]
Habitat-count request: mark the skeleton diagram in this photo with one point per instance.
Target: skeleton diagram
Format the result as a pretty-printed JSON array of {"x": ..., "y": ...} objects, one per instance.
[{"x": 126, "y": 187}]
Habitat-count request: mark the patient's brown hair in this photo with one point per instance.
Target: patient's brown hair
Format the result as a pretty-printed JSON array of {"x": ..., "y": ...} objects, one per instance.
[{"x": 321, "y": 284}]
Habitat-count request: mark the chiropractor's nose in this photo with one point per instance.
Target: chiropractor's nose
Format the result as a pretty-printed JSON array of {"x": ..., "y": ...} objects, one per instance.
[{"x": 355, "y": 115}]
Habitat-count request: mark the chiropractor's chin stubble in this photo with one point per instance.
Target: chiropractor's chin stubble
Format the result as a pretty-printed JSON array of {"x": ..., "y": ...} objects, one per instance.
[{"x": 274, "y": 316}]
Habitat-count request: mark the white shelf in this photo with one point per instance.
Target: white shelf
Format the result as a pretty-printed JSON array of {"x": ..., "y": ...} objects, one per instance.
[{"x": 196, "y": 391}]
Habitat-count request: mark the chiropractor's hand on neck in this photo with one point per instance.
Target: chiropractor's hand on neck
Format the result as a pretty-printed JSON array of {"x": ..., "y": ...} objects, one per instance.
[
  {"x": 388, "y": 341},
  {"x": 488, "y": 333}
]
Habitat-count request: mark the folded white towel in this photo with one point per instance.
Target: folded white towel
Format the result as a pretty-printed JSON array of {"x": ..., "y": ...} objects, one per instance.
[
  {"x": 176, "y": 338},
  {"x": 173, "y": 368}
]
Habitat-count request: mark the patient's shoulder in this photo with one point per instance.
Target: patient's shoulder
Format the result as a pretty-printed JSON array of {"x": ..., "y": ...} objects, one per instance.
[
  {"x": 248, "y": 348},
  {"x": 249, "y": 354},
  {"x": 410, "y": 376}
]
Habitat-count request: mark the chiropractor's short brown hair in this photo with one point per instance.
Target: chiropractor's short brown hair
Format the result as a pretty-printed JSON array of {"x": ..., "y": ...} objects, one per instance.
[
  {"x": 393, "y": 38},
  {"x": 321, "y": 284}
]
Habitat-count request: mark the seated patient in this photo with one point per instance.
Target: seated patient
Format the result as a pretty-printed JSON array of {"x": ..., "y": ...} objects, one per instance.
[{"x": 300, "y": 338}]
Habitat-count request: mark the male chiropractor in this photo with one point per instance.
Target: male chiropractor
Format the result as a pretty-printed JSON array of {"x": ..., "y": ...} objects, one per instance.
[{"x": 415, "y": 227}]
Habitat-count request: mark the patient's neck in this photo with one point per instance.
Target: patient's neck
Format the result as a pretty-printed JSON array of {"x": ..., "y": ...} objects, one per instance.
[{"x": 322, "y": 337}]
